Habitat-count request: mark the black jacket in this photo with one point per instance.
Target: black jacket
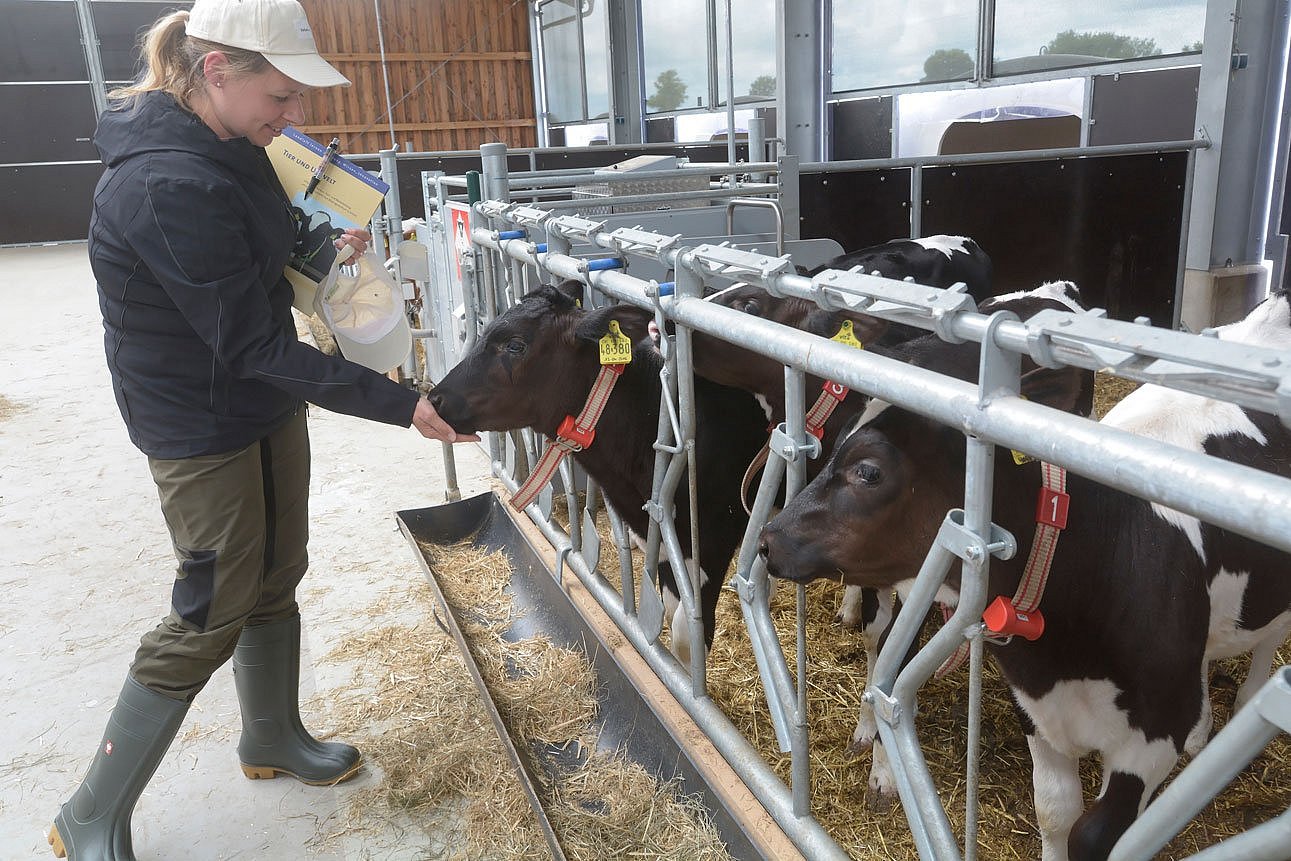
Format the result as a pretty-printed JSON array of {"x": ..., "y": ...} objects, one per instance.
[{"x": 188, "y": 240}]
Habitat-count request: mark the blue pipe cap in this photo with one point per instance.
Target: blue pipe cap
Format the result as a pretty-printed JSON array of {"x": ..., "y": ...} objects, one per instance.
[
  {"x": 540, "y": 248},
  {"x": 511, "y": 234},
  {"x": 667, "y": 288},
  {"x": 604, "y": 263}
]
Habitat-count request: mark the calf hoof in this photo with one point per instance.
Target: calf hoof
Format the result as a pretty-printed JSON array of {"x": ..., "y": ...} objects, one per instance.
[
  {"x": 852, "y": 623},
  {"x": 56, "y": 842},
  {"x": 878, "y": 800},
  {"x": 860, "y": 743}
]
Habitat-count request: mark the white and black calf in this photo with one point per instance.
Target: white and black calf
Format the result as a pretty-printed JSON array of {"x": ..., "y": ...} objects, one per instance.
[
  {"x": 934, "y": 261},
  {"x": 1140, "y": 598},
  {"x": 536, "y": 363}
]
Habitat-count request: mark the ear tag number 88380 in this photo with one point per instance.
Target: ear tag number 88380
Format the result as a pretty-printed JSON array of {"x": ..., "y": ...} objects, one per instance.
[{"x": 616, "y": 347}]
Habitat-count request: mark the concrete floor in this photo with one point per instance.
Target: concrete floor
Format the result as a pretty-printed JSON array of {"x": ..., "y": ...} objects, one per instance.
[{"x": 86, "y": 568}]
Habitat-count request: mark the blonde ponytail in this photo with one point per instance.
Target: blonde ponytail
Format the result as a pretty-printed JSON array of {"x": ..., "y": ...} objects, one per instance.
[{"x": 172, "y": 62}]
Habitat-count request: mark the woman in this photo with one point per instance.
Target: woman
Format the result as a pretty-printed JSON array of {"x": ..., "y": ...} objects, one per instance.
[{"x": 188, "y": 240}]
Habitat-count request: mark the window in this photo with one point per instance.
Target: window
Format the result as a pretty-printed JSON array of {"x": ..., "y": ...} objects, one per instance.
[
  {"x": 928, "y": 122},
  {"x": 712, "y": 126},
  {"x": 1031, "y": 35},
  {"x": 674, "y": 42},
  {"x": 574, "y": 38},
  {"x": 880, "y": 44},
  {"x": 684, "y": 48},
  {"x": 753, "y": 31}
]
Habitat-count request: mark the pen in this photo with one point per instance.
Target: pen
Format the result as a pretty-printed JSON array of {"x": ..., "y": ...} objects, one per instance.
[{"x": 328, "y": 154}]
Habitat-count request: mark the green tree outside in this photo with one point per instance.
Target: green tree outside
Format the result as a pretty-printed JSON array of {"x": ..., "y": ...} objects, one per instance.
[
  {"x": 947, "y": 64},
  {"x": 1105, "y": 43},
  {"x": 669, "y": 91},
  {"x": 763, "y": 85}
]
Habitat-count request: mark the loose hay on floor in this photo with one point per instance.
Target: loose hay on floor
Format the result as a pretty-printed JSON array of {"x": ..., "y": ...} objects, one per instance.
[{"x": 418, "y": 717}]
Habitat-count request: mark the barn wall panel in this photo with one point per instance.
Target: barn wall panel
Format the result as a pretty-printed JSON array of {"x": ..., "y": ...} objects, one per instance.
[
  {"x": 46, "y": 202},
  {"x": 459, "y": 74},
  {"x": 856, "y": 209},
  {"x": 1109, "y": 224}
]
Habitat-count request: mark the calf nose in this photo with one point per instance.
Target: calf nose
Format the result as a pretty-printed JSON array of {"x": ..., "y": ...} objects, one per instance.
[{"x": 436, "y": 400}]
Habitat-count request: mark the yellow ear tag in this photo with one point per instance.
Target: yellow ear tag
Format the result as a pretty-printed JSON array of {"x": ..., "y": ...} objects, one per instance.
[
  {"x": 616, "y": 347},
  {"x": 847, "y": 336}
]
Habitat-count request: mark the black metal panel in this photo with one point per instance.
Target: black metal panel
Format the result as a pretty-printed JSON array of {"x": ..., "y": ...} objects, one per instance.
[
  {"x": 1011, "y": 135},
  {"x": 1109, "y": 224},
  {"x": 661, "y": 130},
  {"x": 41, "y": 41},
  {"x": 1136, "y": 107},
  {"x": 46, "y": 203},
  {"x": 856, "y": 209},
  {"x": 119, "y": 26},
  {"x": 860, "y": 128},
  {"x": 57, "y": 123}
]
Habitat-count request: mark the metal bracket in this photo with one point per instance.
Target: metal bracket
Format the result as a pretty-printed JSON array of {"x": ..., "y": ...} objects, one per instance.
[
  {"x": 1252, "y": 376},
  {"x": 898, "y": 301},
  {"x": 639, "y": 241},
  {"x": 784, "y": 446},
  {"x": 573, "y": 225},
  {"x": 492, "y": 208},
  {"x": 968, "y": 545},
  {"x": 732, "y": 262},
  {"x": 886, "y": 708},
  {"x": 530, "y": 215},
  {"x": 999, "y": 370}
]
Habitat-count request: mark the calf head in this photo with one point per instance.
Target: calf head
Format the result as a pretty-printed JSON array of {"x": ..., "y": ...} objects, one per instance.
[
  {"x": 871, "y": 513},
  {"x": 534, "y": 364}
]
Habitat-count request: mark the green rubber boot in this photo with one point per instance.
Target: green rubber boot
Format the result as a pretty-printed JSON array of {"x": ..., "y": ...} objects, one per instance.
[
  {"x": 266, "y": 670},
  {"x": 95, "y": 824}
]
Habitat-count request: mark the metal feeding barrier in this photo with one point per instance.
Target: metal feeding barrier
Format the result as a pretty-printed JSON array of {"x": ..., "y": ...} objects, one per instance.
[{"x": 514, "y": 244}]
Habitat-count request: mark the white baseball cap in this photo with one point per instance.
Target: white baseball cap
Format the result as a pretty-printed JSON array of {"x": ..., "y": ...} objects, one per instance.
[
  {"x": 366, "y": 314},
  {"x": 276, "y": 29}
]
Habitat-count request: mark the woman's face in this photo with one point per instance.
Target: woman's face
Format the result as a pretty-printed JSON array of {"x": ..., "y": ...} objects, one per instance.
[{"x": 257, "y": 107}]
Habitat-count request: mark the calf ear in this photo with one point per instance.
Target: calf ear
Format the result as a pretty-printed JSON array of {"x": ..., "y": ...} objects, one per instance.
[
  {"x": 633, "y": 322},
  {"x": 1068, "y": 389},
  {"x": 826, "y": 324},
  {"x": 571, "y": 290}
]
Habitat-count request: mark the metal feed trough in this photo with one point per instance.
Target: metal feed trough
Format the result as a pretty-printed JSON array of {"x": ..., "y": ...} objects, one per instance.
[{"x": 622, "y": 258}]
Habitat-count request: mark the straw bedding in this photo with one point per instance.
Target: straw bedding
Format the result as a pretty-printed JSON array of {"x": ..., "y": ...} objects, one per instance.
[{"x": 417, "y": 716}]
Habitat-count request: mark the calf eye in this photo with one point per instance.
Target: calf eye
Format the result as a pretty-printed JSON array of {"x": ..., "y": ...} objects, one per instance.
[
  {"x": 752, "y": 306},
  {"x": 869, "y": 472},
  {"x": 515, "y": 347}
]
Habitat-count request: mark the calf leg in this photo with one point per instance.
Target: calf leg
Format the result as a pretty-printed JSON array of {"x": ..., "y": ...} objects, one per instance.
[
  {"x": 1056, "y": 783},
  {"x": 684, "y": 640},
  {"x": 851, "y": 612},
  {"x": 1200, "y": 732},
  {"x": 874, "y": 613},
  {"x": 1131, "y": 773},
  {"x": 881, "y": 790},
  {"x": 1262, "y": 663}
]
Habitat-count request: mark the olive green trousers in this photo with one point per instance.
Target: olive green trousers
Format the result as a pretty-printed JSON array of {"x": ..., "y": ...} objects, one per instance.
[{"x": 239, "y": 524}]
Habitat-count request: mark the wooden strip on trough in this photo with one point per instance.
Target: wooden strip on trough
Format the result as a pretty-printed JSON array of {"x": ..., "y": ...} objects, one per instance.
[{"x": 722, "y": 780}]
